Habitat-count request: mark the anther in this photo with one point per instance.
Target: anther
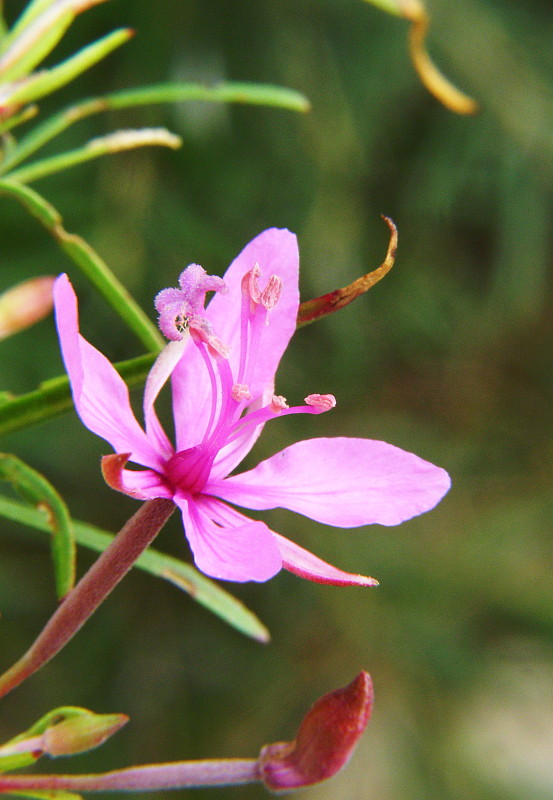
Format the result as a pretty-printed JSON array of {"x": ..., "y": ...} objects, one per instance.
[
  {"x": 278, "y": 404},
  {"x": 241, "y": 392},
  {"x": 321, "y": 402},
  {"x": 271, "y": 293}
]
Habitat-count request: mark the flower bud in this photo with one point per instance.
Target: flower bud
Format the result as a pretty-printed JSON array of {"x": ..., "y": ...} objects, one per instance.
[
  {"x": 325, "y": 741},
  {"x": 80, "y": 733},
  {"x": 24, "y": 304}
]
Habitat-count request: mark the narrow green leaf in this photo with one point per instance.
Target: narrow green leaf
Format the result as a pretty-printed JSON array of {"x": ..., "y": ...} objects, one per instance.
[
  {"x": 95, "y": 148},
  {"x": 34, "y": 488},
  {"x": 185, "y": 576},
  {"x": 47, "y": 81},
  {"x": 33, "y": 45},
  {"x": 244, "y": 93},
  {"x": 29, "y": 13},
  {"x": 89, "y": 262},
  {"x": 53, "y": 397},
  {"x": 37, "y": 7},
  {"x": 261, "y": 94},
  {"x": 9, "y": 763}
]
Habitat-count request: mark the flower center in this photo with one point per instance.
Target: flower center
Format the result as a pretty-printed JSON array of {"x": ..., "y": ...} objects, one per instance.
[{"x": 189, "y": 469}]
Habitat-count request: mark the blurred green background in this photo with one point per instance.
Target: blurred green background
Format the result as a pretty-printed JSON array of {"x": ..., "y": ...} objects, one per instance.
[{"x": 450, "y": 356}]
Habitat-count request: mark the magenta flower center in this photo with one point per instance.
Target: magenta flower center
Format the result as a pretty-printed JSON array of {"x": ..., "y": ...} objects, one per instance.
[{"x": 190, "y": 468}]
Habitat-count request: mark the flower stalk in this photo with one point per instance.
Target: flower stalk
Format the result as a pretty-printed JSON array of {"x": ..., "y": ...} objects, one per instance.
[
  {"x": 104, "y": 575},
  {"x": 147, "y": 778}
]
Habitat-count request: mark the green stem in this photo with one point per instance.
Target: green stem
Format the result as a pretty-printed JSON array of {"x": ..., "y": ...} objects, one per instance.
[
  {"x": 88, "y": 261},
  {"x": 92, "y": 589}
]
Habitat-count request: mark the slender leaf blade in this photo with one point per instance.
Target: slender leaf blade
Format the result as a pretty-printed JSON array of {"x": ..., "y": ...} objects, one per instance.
[
  {"x": 96, "y": 148},
  {"x": 32, "y": 47},
  {"x": 48, "y": 81},
  {"x": 228, "y": 92},
  {"x": 34, "y": 487}
]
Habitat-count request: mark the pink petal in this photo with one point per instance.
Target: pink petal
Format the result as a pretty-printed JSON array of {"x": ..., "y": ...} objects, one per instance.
[
  {"x": 342, "y": 482},
  {"x": 294, "y": 558},
  {"x": 99, "y": 393},
  {"x": 246, "y": 552},
  {"x": 306, "y": 565},
  {"x": 159, "y": 375},
  {"x": 275, "y": 251}
]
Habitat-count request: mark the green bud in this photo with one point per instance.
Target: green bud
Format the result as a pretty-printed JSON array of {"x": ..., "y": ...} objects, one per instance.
[{"x": 80, "y": 733}]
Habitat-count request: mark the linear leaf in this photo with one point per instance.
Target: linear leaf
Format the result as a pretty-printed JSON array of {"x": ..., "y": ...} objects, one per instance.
[
  {"x": 231, "y": 92},
  {"x": 47, "y": 81},
  {"x": 34, "y": 488},
  {"x": 95, "y": 148}
]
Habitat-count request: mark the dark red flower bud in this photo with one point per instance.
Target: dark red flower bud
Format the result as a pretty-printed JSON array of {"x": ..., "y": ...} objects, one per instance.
[{"x": 325, "y": 741}]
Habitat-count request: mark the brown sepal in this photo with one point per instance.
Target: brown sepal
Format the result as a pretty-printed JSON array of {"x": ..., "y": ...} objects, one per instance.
[{"x": 311, "y": 310}]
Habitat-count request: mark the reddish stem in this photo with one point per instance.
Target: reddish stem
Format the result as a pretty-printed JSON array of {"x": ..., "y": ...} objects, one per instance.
[
  {"x": 176, "y": 775},
  {"x": 92, "y": 589}
]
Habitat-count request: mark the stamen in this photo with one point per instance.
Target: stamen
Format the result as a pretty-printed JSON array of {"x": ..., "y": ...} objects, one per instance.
[
  {"x": 250, "y": 283},
  {"x": 244, "y": 318},
  {"x": 278, "y": 404},
  {"x": 271, "y": 293},
  {"x": 241, "y": 393},
  {"x": 321, "y": 402},
  {"x": 214, "y": 390},
  {"x": 201, "y": 331},
  {"x": 315, "y": 404},
  {"x": 256, "y": 305},
  {"x": 229, "y": 410}
]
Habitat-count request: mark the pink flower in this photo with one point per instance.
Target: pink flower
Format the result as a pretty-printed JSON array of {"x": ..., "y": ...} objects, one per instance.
[{"x": 222, "y": 365}]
